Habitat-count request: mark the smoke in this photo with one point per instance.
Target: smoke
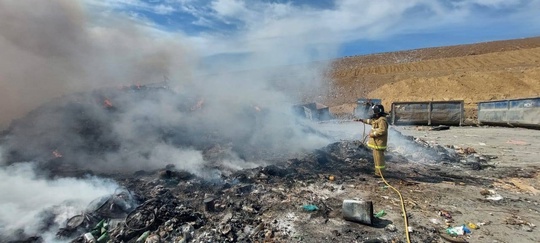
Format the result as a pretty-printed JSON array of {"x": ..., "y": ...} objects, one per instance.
[
  {"x": 31, "y": 205},
  {"x": 55, "y": 47},
  {"x": 225, "y": 116}
]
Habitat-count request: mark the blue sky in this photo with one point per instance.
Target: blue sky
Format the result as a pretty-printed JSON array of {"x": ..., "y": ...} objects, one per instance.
[{"x": 327, "y": 29}]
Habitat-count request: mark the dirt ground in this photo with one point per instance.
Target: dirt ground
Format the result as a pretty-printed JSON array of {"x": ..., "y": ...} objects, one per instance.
[{"x": 511, "y": 178}]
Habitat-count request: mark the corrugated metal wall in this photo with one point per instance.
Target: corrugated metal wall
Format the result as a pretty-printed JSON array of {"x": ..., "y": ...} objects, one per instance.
[
  {"x": 427, "y": 113},
  {"x": 516, "y": 112}
]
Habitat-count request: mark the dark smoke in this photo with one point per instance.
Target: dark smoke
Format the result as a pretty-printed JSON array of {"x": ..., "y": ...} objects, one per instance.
[
  {"x": 53, "y": 47},
  {"x": 62, "y": 70}
]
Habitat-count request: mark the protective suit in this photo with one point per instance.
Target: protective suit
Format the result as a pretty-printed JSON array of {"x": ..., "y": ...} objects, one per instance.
[{"x": 378, "y": 137}]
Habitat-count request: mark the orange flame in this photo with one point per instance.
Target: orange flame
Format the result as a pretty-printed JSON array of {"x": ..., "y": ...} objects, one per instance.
[
  {"x": 107, "y": 103},
  {"x": 198, "y": 105},
  {"x": 56, "y": 154}
]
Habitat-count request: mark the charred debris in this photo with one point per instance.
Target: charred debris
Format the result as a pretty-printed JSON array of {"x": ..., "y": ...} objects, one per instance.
[{"x": 174, "y": 205}]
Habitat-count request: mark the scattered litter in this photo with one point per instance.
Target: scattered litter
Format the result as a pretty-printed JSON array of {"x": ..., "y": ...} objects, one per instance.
[
  {"x": 439, "y": 128},
  {"x": 455, "y": 231},
  {"x": 380, "y": 214},
  {"x": 310, "y": 207},
  {"x": 358, "y": 211},
  {"x": 482, "y": 144},
  {"x": 451, "y": 239},
  {"x": 435, "y": 221},
  {"x": 472, "y": 225},
  {"x": 143, "y": 237},
  {"x": 445, "y": 214},
  {"x": 491, "y": 195},
  {"x": 466, "y": 230},
  {"x": 390, "y": 228},
  {"x": 410, "y": 229},
  {"x": 484, "y": 223},
  {"x": 517, "y": 220}
]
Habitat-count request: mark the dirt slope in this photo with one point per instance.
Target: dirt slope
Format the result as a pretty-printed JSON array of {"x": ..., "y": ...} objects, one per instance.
[{"x": 473, "y": 73}]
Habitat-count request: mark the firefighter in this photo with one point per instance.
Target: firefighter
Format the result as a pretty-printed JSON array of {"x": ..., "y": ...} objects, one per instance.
[{"x": 378, "y": 136}]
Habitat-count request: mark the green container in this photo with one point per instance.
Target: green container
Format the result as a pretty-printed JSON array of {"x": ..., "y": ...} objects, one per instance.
[
  {"x": 103, "y": 238},
  {"x": 143, "y": 237}
]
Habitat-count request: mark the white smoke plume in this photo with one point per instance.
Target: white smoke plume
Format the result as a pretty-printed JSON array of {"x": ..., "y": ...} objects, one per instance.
[
  {"x": 65, "y": 62},
  {"x": 30, "y": 204},
  {"x": 56, "y": 48}
]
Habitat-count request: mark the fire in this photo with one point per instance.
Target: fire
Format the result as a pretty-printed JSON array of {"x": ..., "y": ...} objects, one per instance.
[
  {"x": 107, "y": 103},
  {"x": 198, "y": 105},
  {"x": 56, "y": 154}
]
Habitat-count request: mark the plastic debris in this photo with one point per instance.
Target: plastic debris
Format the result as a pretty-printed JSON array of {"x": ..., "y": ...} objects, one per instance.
[
  {"x": 143, "y": 237},
  {"x": 435, "y": 221},
  {"x": 472, "y": 225},
  {"x": 496, "y": 197},
  {"x": 88, "y": 237},
  {"x": 380, "y": 214},
  {"x": 465, "y": 229},
  {"x": 455, "y": 231},
  {"x": 310, "y": 207},
  {"x": 390, "y": 228},
  {"x": 445, "y": 214},
  {"x": 459, "y": 230},
  {"x": 103, "y": 238}
]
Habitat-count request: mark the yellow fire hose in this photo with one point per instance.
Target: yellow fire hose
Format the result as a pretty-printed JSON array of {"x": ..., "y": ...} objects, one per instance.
[{"x": 405, "y": 219}]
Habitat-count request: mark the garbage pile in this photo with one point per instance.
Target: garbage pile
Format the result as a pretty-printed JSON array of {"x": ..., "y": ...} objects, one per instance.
[
  {"x": 176, "y": 206},
  {"x": 416, "y": 149}
]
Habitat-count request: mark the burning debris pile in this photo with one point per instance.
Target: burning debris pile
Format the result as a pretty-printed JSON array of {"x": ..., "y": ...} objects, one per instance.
[
  {"x": 250, "y": 205},
  {"x": 140, "y": 127},
  {"x": 172, "y": 205},
  {"x": 189, "y": 179}
]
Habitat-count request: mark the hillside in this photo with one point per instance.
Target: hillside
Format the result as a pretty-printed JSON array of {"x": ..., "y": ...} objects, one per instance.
[{"x": 473, "y": 73}]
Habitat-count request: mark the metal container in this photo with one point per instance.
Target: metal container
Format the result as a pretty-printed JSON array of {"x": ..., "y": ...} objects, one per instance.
[
  {"x": 358, "y": 211},
  {"x": 427, "y": 113},
  {"x": 515, "y": 112}
]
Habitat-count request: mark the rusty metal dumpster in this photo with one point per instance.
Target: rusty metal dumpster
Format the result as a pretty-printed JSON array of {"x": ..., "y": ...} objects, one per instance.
[
  {"x": 523, "y": 112},
  {"x": 427, "y": 113}
]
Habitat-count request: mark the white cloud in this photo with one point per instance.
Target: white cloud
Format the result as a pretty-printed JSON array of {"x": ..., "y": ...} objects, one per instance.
[
  {"x": 257, "y": 24},
  {"x": 230, "y": 8},
  {"x": 164, "y": 9}
]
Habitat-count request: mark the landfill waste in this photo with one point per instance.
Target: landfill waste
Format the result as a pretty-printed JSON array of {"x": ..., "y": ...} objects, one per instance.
[
  {"x": 458, "y": 230},
  {"x": 380, "y": 214},
  {"x": 310, "y": 207},
  {"x": 455, "y": 231},
  {"x": 358, "y": 211},
  {"x": 435, "y": 221},
  {"x": 439, "y": 128},
  {"x": 491, "y": 195},
  {"x": 172, "y": 205},
  {"x": 445, "y": 214},
  {"x": 143, "y": 237},
  {"x": 473, "y": 225},
  {"x": 391, "y": 228}
]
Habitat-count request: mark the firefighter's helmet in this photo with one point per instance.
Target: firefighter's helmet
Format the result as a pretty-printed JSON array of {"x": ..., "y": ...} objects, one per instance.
[{"x": 378, "y": 109}]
